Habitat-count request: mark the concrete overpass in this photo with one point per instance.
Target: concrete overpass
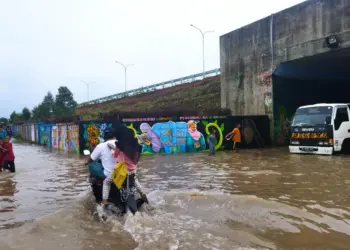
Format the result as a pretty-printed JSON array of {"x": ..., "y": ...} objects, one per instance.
[{"x": 295, "y": 46}]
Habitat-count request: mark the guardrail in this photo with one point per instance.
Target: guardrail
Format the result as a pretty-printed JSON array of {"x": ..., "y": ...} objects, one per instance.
[{"x": 150, "y": 88}]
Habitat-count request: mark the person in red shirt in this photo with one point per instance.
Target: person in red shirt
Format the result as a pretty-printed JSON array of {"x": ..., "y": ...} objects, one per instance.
[{"x": 8, "y": 155}]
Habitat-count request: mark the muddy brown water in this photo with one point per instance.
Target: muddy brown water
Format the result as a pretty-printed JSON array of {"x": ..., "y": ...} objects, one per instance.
[{"x": 257, "y": 199}]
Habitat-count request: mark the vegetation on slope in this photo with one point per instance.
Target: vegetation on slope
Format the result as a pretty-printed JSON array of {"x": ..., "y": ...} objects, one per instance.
[{"x": 198, "y": 98}]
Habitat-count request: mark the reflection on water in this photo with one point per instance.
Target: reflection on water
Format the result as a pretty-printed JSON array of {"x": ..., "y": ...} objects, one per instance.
[
  {"x": 42, "y": 184},
  {"x": 257, "y": 199}
]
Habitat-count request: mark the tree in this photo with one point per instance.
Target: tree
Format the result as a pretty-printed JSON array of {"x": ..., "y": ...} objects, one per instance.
[
  {"x": 46, "y": 108},
  {"x": 65, "y": 104},
  {"x": 3, "y": 120},
  {"x": 36, "y": 113},
  {"x": 15, "y": 117},
  {"x": 26, "y": 114}
]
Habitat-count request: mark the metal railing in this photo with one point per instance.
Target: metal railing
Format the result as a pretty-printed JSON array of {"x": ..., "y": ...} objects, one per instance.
[{"x": 150, "y": 88}]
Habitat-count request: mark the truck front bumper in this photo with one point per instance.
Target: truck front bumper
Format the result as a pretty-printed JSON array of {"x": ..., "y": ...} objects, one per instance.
[{"x": 311, "y": 150}]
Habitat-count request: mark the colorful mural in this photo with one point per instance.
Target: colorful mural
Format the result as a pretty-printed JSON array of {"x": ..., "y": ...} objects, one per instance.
[
  {"x": 62, "y": 135},
  {"x": 54, "y": 137},
  {"x": 45, "y": 134},
  {"x": 65, "y": 137},
  {"x": 93, "y": 134},
  {"x": 163, "y": 135},
  {"x": 72, "y": 138}
]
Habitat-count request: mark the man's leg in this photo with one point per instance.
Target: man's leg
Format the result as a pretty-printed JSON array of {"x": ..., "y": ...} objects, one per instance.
[
  {"x": 5, "y": 165},
  {"x": 210, "y": 150},
  {"x": 237, "y": 146},
  {"x": 11, "y": 165}
]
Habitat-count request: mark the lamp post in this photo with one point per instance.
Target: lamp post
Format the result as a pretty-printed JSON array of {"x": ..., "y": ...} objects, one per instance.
[
  {"x": 87, "y": 88},
  {"x": 125, "y": 66},
  {"x": 203, "y": 34}
]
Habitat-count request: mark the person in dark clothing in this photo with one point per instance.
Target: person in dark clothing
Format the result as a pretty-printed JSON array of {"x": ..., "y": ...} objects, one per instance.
[
  {"x": 9, "y": 131},
  {"x": 211, "y": 142}
]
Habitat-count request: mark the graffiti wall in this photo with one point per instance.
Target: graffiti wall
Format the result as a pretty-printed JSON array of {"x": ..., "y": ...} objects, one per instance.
[
  {"x": 25, "y": 131},
  {"x": 72, "y": 138},
  {"x": 91, "y": 134},
  {"x": 54, "y": 137},
  {"x": 65, "y": 137},
  {"x": 45, "y": 134},
  {"x": 169, "y": 135},
  {"x": 158, "y": 135},
  {"x": 32, "y": 130},
  {"x": 36, "y": 133}
]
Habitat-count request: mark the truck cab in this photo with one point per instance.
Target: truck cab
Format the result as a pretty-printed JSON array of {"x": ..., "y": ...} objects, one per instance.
[{"x": 321, "y": 129}]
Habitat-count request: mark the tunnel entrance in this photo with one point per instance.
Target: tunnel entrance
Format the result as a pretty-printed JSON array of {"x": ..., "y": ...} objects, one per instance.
[{"x": 323, "y": 78}]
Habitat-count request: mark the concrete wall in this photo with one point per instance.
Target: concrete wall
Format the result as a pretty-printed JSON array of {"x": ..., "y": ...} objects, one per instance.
[{"x": 249, "y": 55}]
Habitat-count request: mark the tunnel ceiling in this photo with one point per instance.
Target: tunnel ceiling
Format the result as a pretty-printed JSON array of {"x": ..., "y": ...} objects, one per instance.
[{"x": 331, "y": 65}]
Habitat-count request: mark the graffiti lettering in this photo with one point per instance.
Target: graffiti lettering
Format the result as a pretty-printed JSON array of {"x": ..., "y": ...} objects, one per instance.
[
  {"x": 220, "y": 129},
  {"x": 309, "y": 136},
  {"x": 139, "y": 119}
]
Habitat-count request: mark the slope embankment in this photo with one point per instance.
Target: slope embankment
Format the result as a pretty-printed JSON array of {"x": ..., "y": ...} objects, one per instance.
[{"x": 202, "y": 95}]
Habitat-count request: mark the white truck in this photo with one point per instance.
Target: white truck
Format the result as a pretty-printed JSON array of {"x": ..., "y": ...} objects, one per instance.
[{"x": 322, "y": 128}]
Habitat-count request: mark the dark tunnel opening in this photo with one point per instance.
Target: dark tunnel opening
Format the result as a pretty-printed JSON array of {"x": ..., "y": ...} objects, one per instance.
[{"x": 323, "y": 78}]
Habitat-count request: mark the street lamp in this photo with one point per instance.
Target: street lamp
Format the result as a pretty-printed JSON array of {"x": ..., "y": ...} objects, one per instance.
[
  {"x": 87, "y": 88},
  {"x": 203, "y": 34},
  {"x": 125, "y": 68}
]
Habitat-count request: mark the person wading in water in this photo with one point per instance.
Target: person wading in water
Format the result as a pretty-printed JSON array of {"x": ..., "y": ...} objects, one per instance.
[
  {"x": 211, "y": 142},
  {"x": 236, "y": 137}
]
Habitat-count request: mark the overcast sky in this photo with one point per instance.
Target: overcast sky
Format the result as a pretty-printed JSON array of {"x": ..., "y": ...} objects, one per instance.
[{"x": 48, "y": 43}]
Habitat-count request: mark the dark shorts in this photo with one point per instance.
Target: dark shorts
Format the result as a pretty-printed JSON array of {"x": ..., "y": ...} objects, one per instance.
[{"x": 236, "y": 145}]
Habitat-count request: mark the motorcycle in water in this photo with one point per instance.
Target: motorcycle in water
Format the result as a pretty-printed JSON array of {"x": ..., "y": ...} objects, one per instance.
[{"x": 118, "y": 204}]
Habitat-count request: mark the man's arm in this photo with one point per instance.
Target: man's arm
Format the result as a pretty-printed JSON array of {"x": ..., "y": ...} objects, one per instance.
[
  {"x": 95, "y": 155},
  {"x": 7, "y": 148}
]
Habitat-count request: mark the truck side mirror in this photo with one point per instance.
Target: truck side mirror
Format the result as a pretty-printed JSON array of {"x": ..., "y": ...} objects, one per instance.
[{"x": 328, "y": 120}]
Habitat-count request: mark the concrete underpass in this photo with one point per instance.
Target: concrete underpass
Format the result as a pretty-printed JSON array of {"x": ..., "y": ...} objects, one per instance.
[
  {"x": 322, "y": 78},
  {"x": 291, "y": 58}
]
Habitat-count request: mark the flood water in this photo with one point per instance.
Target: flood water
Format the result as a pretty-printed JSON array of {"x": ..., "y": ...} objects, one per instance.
[{"x": 257, "y": 199}]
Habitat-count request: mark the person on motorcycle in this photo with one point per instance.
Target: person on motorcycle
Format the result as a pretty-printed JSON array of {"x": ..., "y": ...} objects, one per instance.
[
  {"x": 103, "y": 154},
  {"x": 127, "y": 151}
]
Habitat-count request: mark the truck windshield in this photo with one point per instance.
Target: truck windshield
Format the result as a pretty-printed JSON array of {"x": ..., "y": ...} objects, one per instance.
[{"x": 312, "y": 116}]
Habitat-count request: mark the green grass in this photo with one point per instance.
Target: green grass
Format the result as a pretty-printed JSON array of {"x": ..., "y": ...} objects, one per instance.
[{"x": 202, "y": 97}]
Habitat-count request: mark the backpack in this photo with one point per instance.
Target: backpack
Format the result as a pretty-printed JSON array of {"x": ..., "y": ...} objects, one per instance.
[{"x": 96, "y": 169}]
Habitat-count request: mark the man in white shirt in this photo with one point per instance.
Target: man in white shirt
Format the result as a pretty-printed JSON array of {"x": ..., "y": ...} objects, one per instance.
[{"x": 103, "y": 152}]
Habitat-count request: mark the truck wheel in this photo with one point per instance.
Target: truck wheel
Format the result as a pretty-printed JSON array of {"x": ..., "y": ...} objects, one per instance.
[{"x": 345, "y": 148}]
